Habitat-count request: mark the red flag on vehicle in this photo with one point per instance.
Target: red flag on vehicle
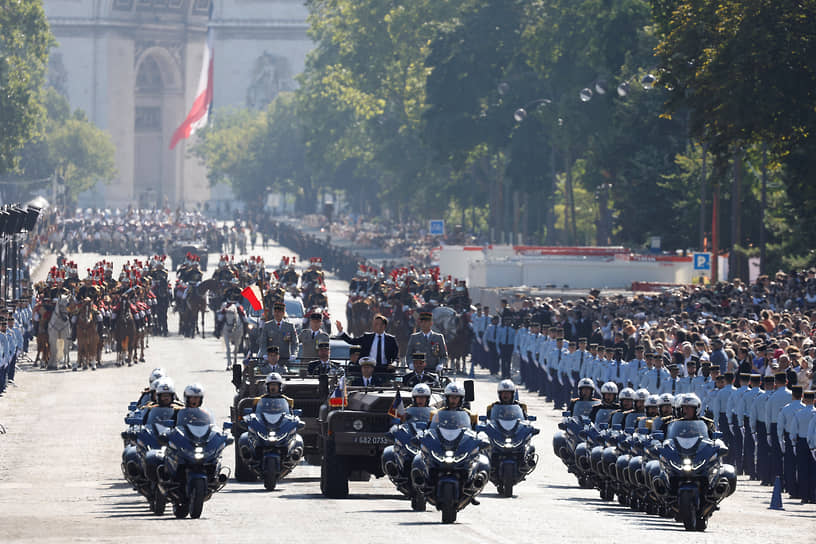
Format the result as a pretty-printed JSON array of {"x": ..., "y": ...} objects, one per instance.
[
  {"x": 253, "y": 294},
  {"x": 200, "y": 111}
]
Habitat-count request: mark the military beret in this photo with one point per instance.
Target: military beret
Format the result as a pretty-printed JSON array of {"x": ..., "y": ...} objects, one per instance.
[
  {"x": 322, "y": 344},
  {"x": 367, "y": 361},
  {"x": 272, "y": 349},
  {"x": 418, "y": 356}
]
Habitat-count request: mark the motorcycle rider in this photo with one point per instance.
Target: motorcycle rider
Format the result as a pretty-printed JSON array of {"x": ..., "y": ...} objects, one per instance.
[
  {"x": 666, "y": 412},
  {"x": 609, "y": 398},
  {"x": 454, "y": 400},
  {"x": 148, "y": 395},
  {"x": 420, "y": 398},
  {"x": 165, "y": 397},
  {"x": 194, "y": 395},
  {"x": 652, "y": 408},
  {"x": 586, "y": 388},
  {"x": 627, "y": 402},
  {"x": 506, "y": 391},
  {"x": 274, "y": 390},
  {"x": 690, "y": 408}
]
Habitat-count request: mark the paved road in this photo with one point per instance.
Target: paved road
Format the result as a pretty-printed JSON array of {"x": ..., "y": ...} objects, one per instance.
[{"x": 60, "y": 478}]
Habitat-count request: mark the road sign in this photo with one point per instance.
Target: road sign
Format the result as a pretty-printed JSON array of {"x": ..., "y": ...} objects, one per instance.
[
  {"x": 437, "y": 227},
  {"x": 702, "y": 261}
]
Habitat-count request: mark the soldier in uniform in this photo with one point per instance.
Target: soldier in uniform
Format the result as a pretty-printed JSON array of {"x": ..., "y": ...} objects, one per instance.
[
  {"x": 431, "y": 343},
  {"x": 419, "y": 375},
  {"x": 367, "y": 377},
  {"x": 279, "y": 332},
  {"x": 323, "y": 364},
  {"x": 272, "y": 362},
  {"x": 311, "y": 336},
  {"x": 506, "y": 391}
]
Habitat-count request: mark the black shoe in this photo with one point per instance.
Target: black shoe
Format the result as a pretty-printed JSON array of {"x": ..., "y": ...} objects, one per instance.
[{"x": 474, "y": 502}]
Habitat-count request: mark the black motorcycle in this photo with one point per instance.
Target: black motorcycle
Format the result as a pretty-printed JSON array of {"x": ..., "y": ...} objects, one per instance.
[
  {"x": 512, "y": 456},
  {"x": 272, "y": 447},
  {"x": 694, "y": 480},
  {"x": 191, "y": 472},
  {"x": 450, "y": 469},
  {"x": 398, "y": 459}
]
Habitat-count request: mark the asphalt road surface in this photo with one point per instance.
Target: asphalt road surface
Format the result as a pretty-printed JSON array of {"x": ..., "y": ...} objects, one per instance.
[{"x": 60, "y": 478}]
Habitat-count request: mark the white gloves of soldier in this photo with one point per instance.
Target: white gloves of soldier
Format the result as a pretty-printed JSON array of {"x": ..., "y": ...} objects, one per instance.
[
  {"x": 782, "y": 445},
  {"x": 731, "y": 428},
  {"x": 768, "y": 440},
  {"x": 439, "y": 368},
  {"x": 794, "y": 449}
]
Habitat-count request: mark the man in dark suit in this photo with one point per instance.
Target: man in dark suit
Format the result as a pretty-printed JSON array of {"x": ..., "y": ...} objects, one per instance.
[
  {"x": 366, "y": 377},
  {"x": 377, "y": 345}
]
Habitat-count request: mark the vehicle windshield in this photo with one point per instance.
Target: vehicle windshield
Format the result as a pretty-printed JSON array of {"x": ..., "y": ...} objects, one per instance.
[
  {"x": 196, "y": 420},
  {"x": 294, "y": 308},
  {"x": 631, "y": 419},
  {"x": 506, "y": 412},
  {"x": 693, "y": 428},
  {"x": 603, "y": 416},
  {"x": 583, "y": 407},
  {"x": 417, "y": 413},
  {"x": 271, "y": 410},
  {"x": 451, "y": 419},
  {"x": 158, "y": 414}
]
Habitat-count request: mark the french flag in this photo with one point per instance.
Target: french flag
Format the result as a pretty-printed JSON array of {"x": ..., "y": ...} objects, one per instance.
[
  {"x": 253, "y": 294},
  {"x": 200, "y": 112}
]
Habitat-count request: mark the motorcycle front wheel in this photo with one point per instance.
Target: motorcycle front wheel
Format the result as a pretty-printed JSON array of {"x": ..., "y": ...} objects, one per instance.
[
  {"x": 686, "y": 511},
  {"x": 270, "y": 475},
  {"x": 159, "y": 503},
  {"x": 418, "y": 503},
  {"x": 449, "y": 513},
  {"x": 197, "y": 492},
  {"x": 181, "y": 510}
]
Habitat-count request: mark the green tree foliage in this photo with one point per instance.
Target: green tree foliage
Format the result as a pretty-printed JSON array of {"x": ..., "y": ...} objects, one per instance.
[{"x": 24, "y": 42}]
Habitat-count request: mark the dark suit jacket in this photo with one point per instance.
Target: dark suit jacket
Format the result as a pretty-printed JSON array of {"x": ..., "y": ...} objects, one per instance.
[{"x": 366, "y": 340}]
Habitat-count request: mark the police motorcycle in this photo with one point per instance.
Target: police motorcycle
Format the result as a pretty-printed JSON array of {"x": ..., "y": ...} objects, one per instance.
[
  {"x": 398, "y": 458},
  {"x": 450, "y": 469},
  {"x": 573, "y": 432},
  {"x": 191, "y": 471},
  {"x": 626, "y": 447},
  {"x": 692, "y": 479},
  {"x": 512, "y": 455},
  {"x": 589, "y": 455},
  {"x": 271, "y": 447}
]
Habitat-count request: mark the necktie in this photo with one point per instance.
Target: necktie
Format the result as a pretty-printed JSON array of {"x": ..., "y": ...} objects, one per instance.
[
  {"x": 674, "y": 383},
  {"x": 618, "y": 363},
  {"x": 658, "y": 377},
  {"x": 313, "y": 334},
  {"x": 582, "y": 363},
  {"x": 378, "y": 342}
]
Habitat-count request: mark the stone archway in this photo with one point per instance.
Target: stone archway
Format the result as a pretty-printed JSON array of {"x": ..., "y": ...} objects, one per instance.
[{"x": 157, "y": 96}]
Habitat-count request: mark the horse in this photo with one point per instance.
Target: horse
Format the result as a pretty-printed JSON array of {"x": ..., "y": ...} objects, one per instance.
[
  {"x": 459, "y": 346},
  {"x": 124, "y": 334},
  {"x": 59, "y": 334},
  {"x": 194, "y": 304},
  {"x": 401, "y": 325},
  {"x": 455, "y": 330},
  {"x": 43, "y": 349},
  {"x": 361, "y": 315},
  {"x": 233, "y": 332},
  {"x": 87, "y": 337}
]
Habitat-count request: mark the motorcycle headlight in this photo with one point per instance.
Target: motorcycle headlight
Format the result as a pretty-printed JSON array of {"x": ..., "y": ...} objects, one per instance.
[{"x": 198, "y": 453}]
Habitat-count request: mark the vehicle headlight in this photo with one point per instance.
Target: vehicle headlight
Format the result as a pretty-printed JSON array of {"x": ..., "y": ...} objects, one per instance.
[
  {"x": 357, "y": 424},
  {"x": 449, "y": 456},
  {"x": 198, "y": 453},
  {"x": 687, "y": 465}
]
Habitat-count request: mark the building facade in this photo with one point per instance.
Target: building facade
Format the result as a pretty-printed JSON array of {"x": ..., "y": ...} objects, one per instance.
[{"x": 133, "y": 67}]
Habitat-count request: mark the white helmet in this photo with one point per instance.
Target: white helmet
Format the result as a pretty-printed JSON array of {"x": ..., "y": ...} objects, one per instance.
[
  {"x": 274, "y": 377},
  {"x": 586, "y": 382},
  {"x": 165, "y": 385},
  {"x": 666, "y": 398},
  {"x": 506, "y": 385},
  {"x": 690, "y": 399},
  {"x": 454, "y": 389},
  {"x": 653, "y": 400},
  {"x": 194, "y": 390},
  {"x": 642, "y": 394},
  {"x": 609, "y": 387},
  {"x": 627, "y": 393},
  {"x": 421, "y": 390},
  {"x": 156, "y": 374},
  {"x": 154, "y": 384}
]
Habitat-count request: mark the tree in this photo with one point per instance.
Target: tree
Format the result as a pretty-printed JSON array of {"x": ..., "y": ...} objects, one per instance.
[{"x": 24, "y": 43}]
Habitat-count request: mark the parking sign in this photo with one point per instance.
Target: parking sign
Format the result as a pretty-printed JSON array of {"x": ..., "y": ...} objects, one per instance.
[
  {"x": 702, "y": 261},
  {"x": 437, "y": 227}
]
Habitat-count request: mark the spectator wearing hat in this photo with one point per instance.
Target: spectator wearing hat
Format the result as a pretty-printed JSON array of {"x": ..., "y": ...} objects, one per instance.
[
  {"x": 310, "y": 337},
  {"x": 426, "y": 341},
  {"x": 279, "y": 332}
]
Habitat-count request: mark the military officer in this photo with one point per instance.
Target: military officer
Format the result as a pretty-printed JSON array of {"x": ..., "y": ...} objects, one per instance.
[
  {"x": 778, "y": 399},
  {"x": 798, "y": 428},
  {"x": 431, "y": 343},
  {"x": 279, "y": 332},
  {"x": 310, "y": 337},
  {"x": 419, "y": 375},
  {"x": 323, "y": 365},
  {"x": 784, "y": 423}
]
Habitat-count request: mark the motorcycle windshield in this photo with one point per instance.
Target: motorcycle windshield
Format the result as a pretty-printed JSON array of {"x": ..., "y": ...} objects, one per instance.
[
  {"x": 158, "y": 415},
  {"x": 197, "y": 421},
  {"x": 506, "y": 415},
  {"x": 687, "y": 432},
  {"x": 450, "y": 423},
  {"x": 418, "y": 414},
  {"x": 271, "y": 410},
  {"x": 583, "y": 407},
  {"x": 603, "y": 416}
]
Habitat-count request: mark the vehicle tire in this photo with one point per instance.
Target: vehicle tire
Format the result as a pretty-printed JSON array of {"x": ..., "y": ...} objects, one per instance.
[
  {"x": 181, "y": 510},
  {"x": 159, "y": 503},
  {"x": 701, "y": 525},
  {"x": 686, "y": 511},
  {"x": 507, "y": 488},
  {"x": 334, "y": 476},
  {"x": 314, "y": 459},
  {"x": 418, "y": 502},
  {"x": 197, "y": 492},
  {"x": 242, "y": 471},
  {"x": 270, "y": 475},
  {"x": 449, "y": 513}
]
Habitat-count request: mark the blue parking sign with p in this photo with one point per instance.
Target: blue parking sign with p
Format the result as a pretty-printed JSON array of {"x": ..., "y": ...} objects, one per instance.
[
  {"x": 437, "y": 227},
  {"x": 702, "y": 261}
]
